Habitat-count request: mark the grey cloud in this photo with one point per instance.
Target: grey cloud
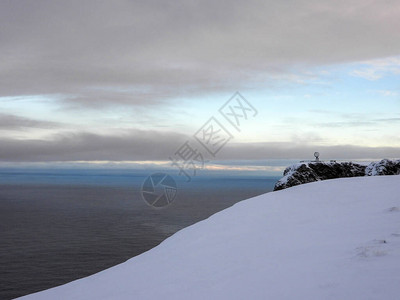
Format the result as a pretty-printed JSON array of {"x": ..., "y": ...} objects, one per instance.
[
  {"x": 179, "y": 48},
  {"x": 154, "y": 145},
  {"x": 358, "y": 123},
  {"x": 346, "y": 124},
  {"x": 133, "y": 145},
  {"x": 13, "y": 122},
  {"x": 305, "y": 151},
  {"x": 388, "y": 120}
]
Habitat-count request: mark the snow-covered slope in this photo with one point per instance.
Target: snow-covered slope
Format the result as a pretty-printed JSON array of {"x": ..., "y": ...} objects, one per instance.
[{"x": 334, "y": 239}]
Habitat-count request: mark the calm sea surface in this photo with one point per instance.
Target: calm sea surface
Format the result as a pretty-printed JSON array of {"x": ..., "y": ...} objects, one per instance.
[{"x": 60, "y": 225}]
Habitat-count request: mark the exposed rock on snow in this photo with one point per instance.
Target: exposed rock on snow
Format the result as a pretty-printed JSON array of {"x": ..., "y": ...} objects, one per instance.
[
  {"x": 315, "y": 171},
  {"x": 383, "y": 167}
]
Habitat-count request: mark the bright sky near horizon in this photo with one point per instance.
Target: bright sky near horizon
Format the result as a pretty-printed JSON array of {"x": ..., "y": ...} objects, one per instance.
[{"x": 133, "y": 80}]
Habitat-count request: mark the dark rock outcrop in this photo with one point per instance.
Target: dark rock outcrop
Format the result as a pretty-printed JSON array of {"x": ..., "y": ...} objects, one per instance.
[
  {"x": 383, "y": 167},
  {"x": 314, "y": 171}
]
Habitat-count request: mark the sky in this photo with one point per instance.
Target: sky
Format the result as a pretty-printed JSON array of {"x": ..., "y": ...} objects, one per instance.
[{"x": 129, "y": 82}]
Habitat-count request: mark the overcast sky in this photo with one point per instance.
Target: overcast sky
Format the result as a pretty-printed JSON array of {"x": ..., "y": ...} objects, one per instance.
[{"x": 133, "y": 80}]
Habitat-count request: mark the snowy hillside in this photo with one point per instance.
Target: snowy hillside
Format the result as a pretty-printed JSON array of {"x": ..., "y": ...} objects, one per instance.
[{"x": 334, "y": 239}]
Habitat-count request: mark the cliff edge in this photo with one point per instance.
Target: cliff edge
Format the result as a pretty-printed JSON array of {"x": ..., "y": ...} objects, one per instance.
[{"x": 315, "y": 171}]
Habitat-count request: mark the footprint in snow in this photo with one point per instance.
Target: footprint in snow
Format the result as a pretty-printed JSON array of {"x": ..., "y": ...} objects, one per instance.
[
  {"x": 376, "y": 249},
  {"x": 394, "y": 209}
]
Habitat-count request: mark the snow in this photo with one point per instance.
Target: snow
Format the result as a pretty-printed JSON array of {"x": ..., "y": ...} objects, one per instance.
[{"x": 333, "y": 239}]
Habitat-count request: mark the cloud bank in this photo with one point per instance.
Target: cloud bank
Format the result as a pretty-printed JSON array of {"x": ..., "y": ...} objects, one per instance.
[
  {"x": 139, "y": 145},
  {"x": 14, "y": 122},
  {"x": 147, "y": 52}
]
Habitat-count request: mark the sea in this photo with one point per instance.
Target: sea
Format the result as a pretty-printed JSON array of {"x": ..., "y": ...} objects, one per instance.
[{"x": 59, "y": 225}]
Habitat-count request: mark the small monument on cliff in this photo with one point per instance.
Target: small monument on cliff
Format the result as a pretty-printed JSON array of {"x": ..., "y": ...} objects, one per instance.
[{"x": 316, "y": 155}]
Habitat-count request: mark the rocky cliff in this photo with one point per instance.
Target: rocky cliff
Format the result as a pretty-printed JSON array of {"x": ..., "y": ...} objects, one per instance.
[
  {"x": 383, "y": 167},
  {"x": 314, "y": 171}
]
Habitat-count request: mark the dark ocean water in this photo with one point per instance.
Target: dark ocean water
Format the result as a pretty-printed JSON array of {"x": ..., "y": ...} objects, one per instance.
[{"x": 60, "y": 225}]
